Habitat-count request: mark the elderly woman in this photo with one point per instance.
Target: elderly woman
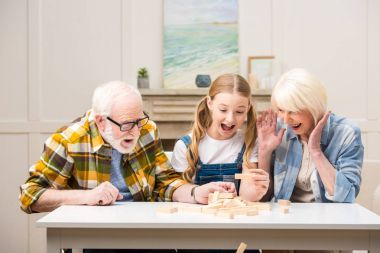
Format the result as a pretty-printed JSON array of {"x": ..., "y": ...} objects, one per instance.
[{"x": 316, "y": 155}]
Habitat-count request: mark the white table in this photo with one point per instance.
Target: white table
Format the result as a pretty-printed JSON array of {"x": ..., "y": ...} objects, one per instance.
[{"x": 137, "y": 225}]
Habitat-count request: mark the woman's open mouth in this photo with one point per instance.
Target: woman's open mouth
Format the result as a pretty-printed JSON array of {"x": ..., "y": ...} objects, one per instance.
[{"x": 296, "y": 126}]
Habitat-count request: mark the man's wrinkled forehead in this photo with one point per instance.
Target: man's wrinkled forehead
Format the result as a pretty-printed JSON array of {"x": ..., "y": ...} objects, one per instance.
[{"x": 130, "y": 106}]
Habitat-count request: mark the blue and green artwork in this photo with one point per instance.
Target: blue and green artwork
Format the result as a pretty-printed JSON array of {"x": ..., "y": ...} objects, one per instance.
[{"x": 200, "y": 37}]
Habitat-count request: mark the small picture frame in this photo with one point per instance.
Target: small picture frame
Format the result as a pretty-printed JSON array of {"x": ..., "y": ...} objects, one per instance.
[{"x": 261, "y": 71}]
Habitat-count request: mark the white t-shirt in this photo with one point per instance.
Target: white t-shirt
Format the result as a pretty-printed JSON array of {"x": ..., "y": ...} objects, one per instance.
[{"x": 212, "y": 151}]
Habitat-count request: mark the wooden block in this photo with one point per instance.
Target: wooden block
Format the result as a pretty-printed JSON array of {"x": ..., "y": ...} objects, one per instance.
[
  {"x": 250, "y": 203},
  {"x": 209, "y": 210},
  {"x": 233, "y": 203},
  {"x": 226, "y": 202},
  {"x": 167, "y": 209},
  {"x": 238, "y": 202},
  {"x": 241, "y": 248},
  {"x": 209, "y": 201},
  {"x": 241, "y": 211},
  {"x": 214, "y": 205},
  {"x": 284, "y": 209},
  {"x": 284, "y": 202},
  {"x": 226, "y": 210},
  {"x": 229, "y": 203},
  {"x": 243, "y": 176},
  {"x": 226, "y": 195},
  {"x": 215, "y": 197},
  {"x": 227, "y": 215},
  {"x": 234, "y": 210}
]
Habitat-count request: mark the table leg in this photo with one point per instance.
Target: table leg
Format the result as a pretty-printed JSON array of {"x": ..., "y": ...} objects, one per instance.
[
  {"x": 374, "y": 242},
  {"x": 53, "y": 241}
]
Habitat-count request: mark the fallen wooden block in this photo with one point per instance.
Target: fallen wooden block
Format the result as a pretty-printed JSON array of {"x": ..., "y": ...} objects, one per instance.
[
  {"x": 284, "y": 202},
  {"x": 214, "y": 205},
  {"x": 239, "y": 203},
  {"x": 209, "y": 210},
  {"x": 167, "y": 209},
  {"x": 226, "y": 195},
  {"x": 241, "y": 248},
  {"x": 284, "y": 209},
  {"x": 226, "y": 202},
  {"x": 227, "y": 215},
  {"x": 238, "y": 210}
]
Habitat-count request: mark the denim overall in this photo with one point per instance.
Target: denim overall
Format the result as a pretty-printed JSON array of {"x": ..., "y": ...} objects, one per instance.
[
  {"x": 215, "y": 172},
  {"x": 225, "y": 172}
]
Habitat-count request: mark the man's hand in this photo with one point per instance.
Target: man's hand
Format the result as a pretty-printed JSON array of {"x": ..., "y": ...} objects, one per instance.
[
  {"x": 201, "y": 192},
  {"x": 266, "y": 131},
  {"x": 102, "y": 195}
]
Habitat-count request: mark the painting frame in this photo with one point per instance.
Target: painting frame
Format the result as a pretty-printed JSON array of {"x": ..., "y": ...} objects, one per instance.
[
  {"x": 260, "y": 71},
  {"x": 212, "y": 52}
]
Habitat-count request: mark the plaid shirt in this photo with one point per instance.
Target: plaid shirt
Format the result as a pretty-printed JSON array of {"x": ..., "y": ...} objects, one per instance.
[{"x": 76, "y": 157}]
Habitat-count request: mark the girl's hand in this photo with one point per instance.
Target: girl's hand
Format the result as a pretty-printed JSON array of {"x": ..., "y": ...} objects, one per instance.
[
  {"x": 260, "y": 180},
  {"x": 202, "y": 192}
]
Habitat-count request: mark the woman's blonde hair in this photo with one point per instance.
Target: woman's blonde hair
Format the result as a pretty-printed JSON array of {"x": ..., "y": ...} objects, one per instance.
[
  {"x": 227, "y": 83},
  {"x": 299, "y": 90}
]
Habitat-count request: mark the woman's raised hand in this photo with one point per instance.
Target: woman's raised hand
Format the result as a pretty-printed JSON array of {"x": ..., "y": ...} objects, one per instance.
[
  {"x": 266, "y": 130},
  {"x": 314, "y": 142}
]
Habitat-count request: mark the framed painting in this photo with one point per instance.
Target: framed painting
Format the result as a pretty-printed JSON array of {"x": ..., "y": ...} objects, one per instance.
[
  {"x": 200, "y": 38},
  {"x": 261, "y": 71}
]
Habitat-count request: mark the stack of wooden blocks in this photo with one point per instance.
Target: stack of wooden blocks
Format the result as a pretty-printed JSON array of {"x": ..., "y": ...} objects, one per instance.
[{"x": 225, "y": 205}]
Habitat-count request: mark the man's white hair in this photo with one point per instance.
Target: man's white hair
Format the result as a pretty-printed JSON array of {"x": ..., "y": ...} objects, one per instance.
[
  {"x": 299, "y": 90},
  {"x": 108, "y": 94}
]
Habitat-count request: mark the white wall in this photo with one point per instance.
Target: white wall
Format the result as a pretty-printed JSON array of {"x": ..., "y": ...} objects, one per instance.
[{"x": 53, "y": 53}]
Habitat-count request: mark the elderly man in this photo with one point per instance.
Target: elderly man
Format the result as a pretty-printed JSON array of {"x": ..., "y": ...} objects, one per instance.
[{"x": 113, "y": 153}]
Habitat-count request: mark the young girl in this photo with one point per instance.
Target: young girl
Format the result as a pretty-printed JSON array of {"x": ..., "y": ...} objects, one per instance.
[{"x": 217, "y": 146}]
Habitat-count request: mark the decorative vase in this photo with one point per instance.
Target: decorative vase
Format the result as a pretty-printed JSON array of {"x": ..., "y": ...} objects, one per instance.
[
  {"x": 143, "y": 83},
  {"x": 203, "y": 81}
]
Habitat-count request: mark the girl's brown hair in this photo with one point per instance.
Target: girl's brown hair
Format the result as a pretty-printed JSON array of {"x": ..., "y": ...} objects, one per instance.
[{"x": 227, "y": 83}]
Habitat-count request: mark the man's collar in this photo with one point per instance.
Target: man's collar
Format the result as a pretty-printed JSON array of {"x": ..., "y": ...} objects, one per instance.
[{"x": 96, "y": 137}]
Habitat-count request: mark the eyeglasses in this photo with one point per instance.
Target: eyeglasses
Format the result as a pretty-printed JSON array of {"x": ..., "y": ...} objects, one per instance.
[{"x": 129, "y": 125}]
